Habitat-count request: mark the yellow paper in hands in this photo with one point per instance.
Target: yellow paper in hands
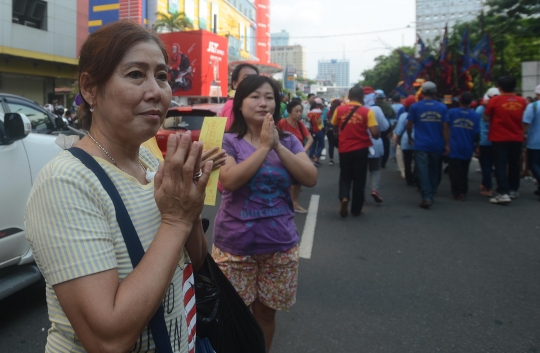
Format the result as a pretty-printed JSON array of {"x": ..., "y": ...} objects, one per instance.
[{"x": 212, "y": 136}]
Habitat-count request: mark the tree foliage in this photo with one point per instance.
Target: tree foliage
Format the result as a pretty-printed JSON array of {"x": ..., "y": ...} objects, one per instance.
[
  {"x": 175, "y": 22},
  {"x": 387, "y": 71},
  {"x": 305, "y": 80}
]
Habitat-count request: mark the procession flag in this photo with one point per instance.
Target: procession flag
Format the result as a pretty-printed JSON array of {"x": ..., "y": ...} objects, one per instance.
[
  {"x": 465, "y": 48},
  {"x": 445, "y": 61},
  {"x": 483, "y": 56},
  {"x": 410, "y": 69},
  {"x": 403, "y": 92},
  {"x": 425, "y": 57}
]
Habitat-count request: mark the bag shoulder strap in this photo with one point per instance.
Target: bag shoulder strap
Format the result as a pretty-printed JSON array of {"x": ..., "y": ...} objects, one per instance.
[
  {"x": 157, "y": 324},
  {"x": 351, "y": 113}
]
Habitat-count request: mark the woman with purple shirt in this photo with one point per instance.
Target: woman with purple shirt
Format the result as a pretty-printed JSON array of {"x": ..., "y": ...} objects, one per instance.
[{"x": 255, "y": 237}]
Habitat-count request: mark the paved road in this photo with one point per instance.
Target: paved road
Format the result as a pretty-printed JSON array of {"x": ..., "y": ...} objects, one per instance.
[{"x": 461, "y": 277}]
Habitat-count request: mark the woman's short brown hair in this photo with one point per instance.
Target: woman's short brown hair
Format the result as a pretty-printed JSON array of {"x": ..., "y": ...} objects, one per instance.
[{"x": 102, "y": 52}]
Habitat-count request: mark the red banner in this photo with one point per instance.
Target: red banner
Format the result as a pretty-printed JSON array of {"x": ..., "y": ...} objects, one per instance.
[{"x": 198, "y": 64}]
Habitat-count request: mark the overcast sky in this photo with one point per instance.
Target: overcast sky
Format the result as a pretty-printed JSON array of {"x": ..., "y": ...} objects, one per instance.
[{"x": 303, "y": 18}]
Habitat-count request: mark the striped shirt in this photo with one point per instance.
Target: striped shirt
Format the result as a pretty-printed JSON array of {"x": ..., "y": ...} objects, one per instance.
[{"x": 71, "y": 225}]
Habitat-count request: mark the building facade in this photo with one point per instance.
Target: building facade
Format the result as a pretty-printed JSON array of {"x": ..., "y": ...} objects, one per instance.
[
  {"x": 39, "y": 45},
  {"x": 290, "y": 55},
  {"x": 234, "y": 19},
  {"x": 336, "y": 71},
  {"x": 433, "y": 15},
  {"x": 279, "y": 39}
]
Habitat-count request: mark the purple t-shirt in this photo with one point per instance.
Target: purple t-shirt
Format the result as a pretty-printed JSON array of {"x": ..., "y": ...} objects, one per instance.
[{"x": 258, "y": 218}]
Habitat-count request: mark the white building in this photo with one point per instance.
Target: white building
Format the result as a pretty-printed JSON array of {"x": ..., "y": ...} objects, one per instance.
[
  {"x": 335, "y": 70},
  {"x": 279, "y": 39},
  {"x": 433, "y": 15},
  {"x": 290, "y": 55}
]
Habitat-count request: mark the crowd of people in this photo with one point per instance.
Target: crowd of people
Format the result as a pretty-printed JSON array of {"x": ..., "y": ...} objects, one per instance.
[
  {"x": 428, "y": 138},
  {"x": 101, "y": 299}
]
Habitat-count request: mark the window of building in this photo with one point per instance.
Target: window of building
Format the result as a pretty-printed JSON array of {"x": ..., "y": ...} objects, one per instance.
[{"x": 31, "y": 13}]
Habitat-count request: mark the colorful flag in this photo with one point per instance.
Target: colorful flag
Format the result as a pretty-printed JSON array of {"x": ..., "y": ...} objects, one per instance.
[
  {"x": 404, "y": 92},
  {"x": 425, "y": 57},
  {"x": 410, "y": 69},
  {"x": 483, "y": 56},
  {"x": 465, "y": 48},
  {"x": 445, "y": 61}
]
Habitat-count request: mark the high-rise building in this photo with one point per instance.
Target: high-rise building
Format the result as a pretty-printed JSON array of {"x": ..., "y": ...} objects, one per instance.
[
  {"x": 335, "y": 70},
  {"x": 280, "y": 38},
  {"x": 433, "y": 15},
  {"x": 290, "y": 55}
]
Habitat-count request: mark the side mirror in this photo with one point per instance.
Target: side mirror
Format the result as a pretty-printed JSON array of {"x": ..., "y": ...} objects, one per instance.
[
  {"x": 16, "y": 126},
  {"x": 59, "y": 122}
]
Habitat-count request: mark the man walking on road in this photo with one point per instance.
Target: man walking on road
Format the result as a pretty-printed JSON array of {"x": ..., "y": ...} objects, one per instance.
[
  {"x": 431, "y": 139},
  {"x": 390, "y": 116},
  {"x": 353, "y": 122},
  {"x": 531, "y": 125},
  {"x": 505, "y": 114},
  {"x": 464, "y": 136}
]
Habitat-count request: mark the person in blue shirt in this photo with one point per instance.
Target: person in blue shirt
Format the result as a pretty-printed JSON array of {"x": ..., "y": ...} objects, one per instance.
[
  {"x": 396, "y": 104},
  {"x": 377, "y": 150},
  {"x": 397, "y": 107},
  {"x": 464, "y": 136},
  {"x": 531, "y": 125},
  {"x": 485, "y": 149},
  {"x": 431, "y": 140},
  {"x": 401, "y": 140}
]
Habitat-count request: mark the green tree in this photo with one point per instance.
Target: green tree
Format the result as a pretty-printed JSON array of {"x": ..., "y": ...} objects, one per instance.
[
  {"x": 306, "y": 80},
  {"x": 175, "y": 22},
  {"x": 301, "y": 94},
  {"x": 386, "y": 73}
]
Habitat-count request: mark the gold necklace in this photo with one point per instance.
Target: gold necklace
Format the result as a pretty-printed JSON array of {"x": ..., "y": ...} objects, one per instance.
[{"x": 109, "y": 155}]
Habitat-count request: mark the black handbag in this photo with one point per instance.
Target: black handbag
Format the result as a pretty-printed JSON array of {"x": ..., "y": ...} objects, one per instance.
[
  {"x": 337, "y": 132},
  {"x": 222, "y": 316}
]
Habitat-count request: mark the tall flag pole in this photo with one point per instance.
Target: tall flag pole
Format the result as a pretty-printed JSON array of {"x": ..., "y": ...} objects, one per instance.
[{"x": 465, "y": 48}]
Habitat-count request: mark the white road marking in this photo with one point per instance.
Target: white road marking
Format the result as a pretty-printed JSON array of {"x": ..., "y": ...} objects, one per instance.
[{"x": 306, "y": 244}]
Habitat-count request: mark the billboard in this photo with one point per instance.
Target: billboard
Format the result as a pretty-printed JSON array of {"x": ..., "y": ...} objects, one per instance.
[{"x": 197, "y": 63}]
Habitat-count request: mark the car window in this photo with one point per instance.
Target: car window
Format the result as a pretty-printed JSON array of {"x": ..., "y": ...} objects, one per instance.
[
  {"x": 40, "y": 120},
  {"x": 183, "y": 122},
  {"x": 1, "y": 108}
]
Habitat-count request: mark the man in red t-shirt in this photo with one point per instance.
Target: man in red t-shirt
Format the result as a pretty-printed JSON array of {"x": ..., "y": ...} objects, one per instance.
[
  {"x": 354, "y": 142},
  {"x": 505, "y": 115}
]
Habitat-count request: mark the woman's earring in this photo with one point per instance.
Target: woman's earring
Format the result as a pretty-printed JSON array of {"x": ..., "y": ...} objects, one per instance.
[{"x": 91, "y": 108}]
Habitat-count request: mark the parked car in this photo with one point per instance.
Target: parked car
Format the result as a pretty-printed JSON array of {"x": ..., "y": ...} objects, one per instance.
[
  {"x": 41, "y": 119},
  {"x": 183, "y": 119},
  {"x": 22, "y": 155}
]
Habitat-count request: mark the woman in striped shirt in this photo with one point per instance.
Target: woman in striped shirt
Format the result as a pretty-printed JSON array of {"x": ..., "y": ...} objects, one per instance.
[{"x": 97, "y": 301}]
